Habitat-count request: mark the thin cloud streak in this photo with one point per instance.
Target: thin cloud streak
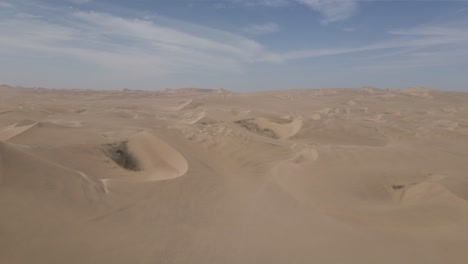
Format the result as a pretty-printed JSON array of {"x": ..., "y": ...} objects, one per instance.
[
  {"x": 332, "y": 10},
  {"x": 115, "y": 42},
  {"x": 5, "y": 4},
  {"x": 262, "y": 29},
  {"x": 253, "y": 3},
  {"x": 79, "y": 2},
  {"x": 109, "y": 40},
  {"x": 420, "y": 42},
  {"x": 158, "y": 46}
]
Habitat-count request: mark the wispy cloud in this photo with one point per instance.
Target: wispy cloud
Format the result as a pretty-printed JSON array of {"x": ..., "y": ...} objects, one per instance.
[
  {"x": 433, "y": 47},
  {"x": 156, "y": 46},
  {"x": 270, "y": 3},
  {"x": 463, "y": 10},
  {"x": 430, "y": 31},
  {"x": 116, "y": 42},
  {"x": 79, "y": 1},
  {"x": 162, "y": 39},
  {"x": 417, "y": 60},
  {"x": 332, "y": 10},
  {"x": 423, "y": 37},
  {"x": 349, "y": 29},
  {"x": 23, "y": 15},
  {"x": 261, "y": 29},
  {"x": 4, "y": 4}
]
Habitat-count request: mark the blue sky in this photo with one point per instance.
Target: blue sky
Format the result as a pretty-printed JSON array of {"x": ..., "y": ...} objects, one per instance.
[{"x": 241, "y": 45}]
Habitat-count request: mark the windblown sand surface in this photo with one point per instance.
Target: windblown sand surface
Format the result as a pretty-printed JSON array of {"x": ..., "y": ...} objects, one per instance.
[{"x": 208, "y": 176}]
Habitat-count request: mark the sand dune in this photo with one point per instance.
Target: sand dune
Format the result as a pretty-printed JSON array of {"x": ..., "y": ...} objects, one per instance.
[
  {"x": 149, "y": 157},
  {"x": 208, "y": 176}
]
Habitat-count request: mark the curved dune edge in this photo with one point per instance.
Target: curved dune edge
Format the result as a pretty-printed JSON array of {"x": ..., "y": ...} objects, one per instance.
[
  {"x": 15, "y": 129},
  {"x": 193, "y": 118},
  {"x": 156, "y": 159},
  {"x": 305, "y": 155},
  {"x": 273, "y": 129},
  {"x": 68, "y": 123},
  {"x": 119, "y": 135},
  {"x": 189, "y": 104},
  {"x": 430, "y": 192}
]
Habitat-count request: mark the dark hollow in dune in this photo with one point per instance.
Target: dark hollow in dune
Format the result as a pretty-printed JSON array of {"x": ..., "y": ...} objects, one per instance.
[
  {"x": 250, "y": 125},
  {"x": 119, "y": 153},
  {"x": 397, "y": 186}
]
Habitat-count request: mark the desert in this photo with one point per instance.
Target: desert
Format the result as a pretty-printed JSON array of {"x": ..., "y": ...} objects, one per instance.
[{"x": 343, "y": 175}]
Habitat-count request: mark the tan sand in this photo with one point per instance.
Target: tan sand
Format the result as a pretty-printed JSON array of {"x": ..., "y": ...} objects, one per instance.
[{"x": 209, "y": 176}]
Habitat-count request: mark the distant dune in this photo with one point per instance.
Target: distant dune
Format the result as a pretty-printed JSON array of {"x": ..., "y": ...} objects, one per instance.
[{"x": 195, "y": 175}]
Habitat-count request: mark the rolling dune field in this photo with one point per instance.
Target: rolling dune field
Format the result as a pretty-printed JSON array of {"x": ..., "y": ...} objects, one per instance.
[{"x": 193, "y": 176}]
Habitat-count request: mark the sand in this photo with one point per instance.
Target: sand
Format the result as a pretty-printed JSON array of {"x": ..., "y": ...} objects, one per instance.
[{"x": 210, "y": 176}]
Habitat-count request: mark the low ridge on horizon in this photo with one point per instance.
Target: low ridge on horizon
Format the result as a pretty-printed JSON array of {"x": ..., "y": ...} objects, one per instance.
[{"x": 222, "y": 90}]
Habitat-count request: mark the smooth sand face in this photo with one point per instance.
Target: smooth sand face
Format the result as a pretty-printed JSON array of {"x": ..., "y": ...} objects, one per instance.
[{"x": 208, "y": 176}]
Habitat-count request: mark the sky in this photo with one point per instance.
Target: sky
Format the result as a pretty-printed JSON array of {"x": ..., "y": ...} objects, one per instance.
[{"x": 240, "y": 45}]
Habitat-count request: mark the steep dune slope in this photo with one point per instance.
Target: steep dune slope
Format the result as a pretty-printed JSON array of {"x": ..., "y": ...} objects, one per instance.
[{"x": 40, "y": 178}]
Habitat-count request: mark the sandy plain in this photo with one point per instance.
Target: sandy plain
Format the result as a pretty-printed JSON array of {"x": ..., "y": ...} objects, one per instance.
[{"x": 210, "y": 176}]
